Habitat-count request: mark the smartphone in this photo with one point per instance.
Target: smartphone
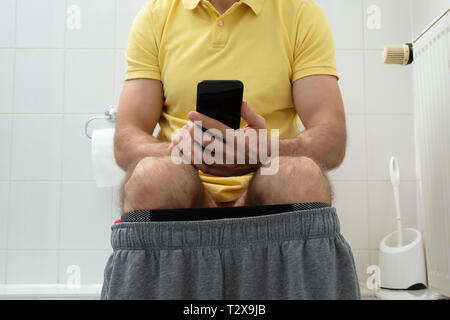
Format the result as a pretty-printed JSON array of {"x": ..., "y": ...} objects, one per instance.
[{"x": 221, "y": 100}]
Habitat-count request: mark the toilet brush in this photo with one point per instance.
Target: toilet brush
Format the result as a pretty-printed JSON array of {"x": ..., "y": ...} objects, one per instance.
[
  {"x": 394, "y": 171},
  {"x": 401, "y": 257}
]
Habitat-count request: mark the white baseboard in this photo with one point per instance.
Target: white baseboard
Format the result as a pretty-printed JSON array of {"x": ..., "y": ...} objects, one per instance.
[
  {"x": 84, "y": 292},
  {"x": 49, "y": 291}
]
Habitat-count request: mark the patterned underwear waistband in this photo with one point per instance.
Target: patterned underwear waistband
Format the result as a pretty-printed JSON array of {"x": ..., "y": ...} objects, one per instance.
[{"x": 193, "y": 214}]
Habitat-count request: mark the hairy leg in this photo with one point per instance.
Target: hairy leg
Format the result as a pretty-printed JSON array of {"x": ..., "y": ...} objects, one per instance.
[
  {"x": 158, "y": 183},
  {"x": 298, "y": 180}
]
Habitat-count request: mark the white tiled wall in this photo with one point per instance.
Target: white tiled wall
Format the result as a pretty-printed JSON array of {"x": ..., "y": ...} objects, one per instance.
[
  {"x": 97, "y": 25},
  {"x": 426, "y": 11},
  {"x": 89, "y": 80},
  {"x": 39, "y": 73},
  {"x": 53, "y": 79},
  {"x": 379, "y": 107},
  {"x": 40, "y": 24}
]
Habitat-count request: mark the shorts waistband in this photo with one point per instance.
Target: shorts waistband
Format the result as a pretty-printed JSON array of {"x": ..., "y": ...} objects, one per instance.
[{"x": 301, "y": 225}]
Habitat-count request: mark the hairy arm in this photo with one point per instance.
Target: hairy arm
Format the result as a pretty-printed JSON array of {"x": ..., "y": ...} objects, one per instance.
[
  {"x": 139, "y": 110},
  {"x": 319, "y": 104}
]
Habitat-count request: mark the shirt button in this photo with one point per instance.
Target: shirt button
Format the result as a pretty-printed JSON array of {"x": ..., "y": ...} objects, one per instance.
[{"x": 220, "y": 23}]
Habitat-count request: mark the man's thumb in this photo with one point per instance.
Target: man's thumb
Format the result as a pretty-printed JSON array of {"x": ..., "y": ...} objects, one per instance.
[{"x": 251, "y": 117}]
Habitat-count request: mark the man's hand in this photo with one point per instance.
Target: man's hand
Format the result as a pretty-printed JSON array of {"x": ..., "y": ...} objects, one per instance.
[{"x": 227, "y": 152}]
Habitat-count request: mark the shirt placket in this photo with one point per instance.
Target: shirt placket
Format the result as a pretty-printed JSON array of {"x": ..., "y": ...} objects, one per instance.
[{"x": 220, "y": 29}]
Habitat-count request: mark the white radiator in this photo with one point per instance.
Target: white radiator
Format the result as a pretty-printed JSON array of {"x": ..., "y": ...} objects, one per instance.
[{"x": 432, "y": 130}]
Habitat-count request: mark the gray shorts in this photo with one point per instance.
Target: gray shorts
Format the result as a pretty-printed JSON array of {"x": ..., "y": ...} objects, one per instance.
[{"x": 292, "y": 255}]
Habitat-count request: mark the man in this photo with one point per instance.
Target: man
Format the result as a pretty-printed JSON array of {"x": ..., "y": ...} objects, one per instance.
[{"x": 282, "y": 50}]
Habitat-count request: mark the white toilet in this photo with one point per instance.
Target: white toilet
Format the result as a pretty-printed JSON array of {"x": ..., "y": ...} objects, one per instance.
[{"x": 424, "y": 294}]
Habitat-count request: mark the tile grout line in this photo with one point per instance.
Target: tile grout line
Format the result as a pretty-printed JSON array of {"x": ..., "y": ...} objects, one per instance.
[
  {"x": 93, "y": 181},
  {"x": 11, "y": 140},
  {"x": 24, "y": 114},
  {"x": 58, "y": 252},
  {"x": 124, "y": 48},
  {"x": 366, "y": 152},
  {"x": 59, "y": 49},
  {"x": 411, "y": 20},
  {"x": 56, "y": 249},
  {"x": 364, "y": 249}
]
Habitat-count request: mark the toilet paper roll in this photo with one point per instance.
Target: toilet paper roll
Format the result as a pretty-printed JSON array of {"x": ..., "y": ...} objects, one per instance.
[{"x": 106, "y": 171}]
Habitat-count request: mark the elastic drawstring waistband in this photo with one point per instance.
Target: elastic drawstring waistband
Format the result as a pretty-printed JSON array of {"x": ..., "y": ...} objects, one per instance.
[{"x": 303, "y": 224}]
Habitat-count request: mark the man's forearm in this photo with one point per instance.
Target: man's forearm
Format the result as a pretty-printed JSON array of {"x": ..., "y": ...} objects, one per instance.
[
  {"x": 325, "y": 144},
  {"x": 133, "y": 144}
]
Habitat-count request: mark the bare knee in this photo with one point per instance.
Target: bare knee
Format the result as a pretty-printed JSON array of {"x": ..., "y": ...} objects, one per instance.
[
  {"x": 299, "y": 179},
  {"x": 158, "y": 183},
  {"x": 312, "y": 184},
  {"x": 139, "y": 184}
]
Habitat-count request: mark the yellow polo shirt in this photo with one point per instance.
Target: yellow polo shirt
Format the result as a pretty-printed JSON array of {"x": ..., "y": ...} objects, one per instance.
[{"x": 267, "y": 44}]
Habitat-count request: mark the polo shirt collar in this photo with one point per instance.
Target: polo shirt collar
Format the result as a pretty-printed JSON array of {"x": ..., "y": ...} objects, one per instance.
[
  {"x": 190, "y": 4},
  {"x": 255, "y": 5}
]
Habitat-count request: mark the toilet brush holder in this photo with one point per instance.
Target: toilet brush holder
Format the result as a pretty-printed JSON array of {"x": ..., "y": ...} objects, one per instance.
[{"x": 402, "y": 267}]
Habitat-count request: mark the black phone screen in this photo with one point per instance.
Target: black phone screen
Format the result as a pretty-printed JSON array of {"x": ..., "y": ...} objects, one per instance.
[{"x": 221, "y": 100}]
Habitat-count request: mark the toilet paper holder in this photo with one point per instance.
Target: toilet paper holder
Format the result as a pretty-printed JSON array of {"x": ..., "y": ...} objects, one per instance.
[{"x": 110, "y": 115}]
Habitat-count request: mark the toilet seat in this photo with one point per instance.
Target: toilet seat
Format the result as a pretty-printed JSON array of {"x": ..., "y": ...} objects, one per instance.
[{"x": 424, "y": 294}]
